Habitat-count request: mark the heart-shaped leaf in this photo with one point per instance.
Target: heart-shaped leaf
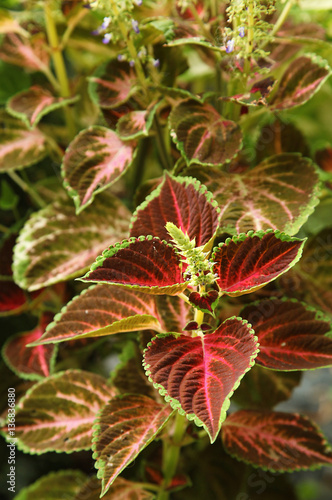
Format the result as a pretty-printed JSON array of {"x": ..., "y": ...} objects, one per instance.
[
  {"x": 144, "y": 263},
  {"x": 124, "y": 428},
  {"x": 112, "y": 84},
  {"x": 292, "y": 336},
  {"x": 52, "y": 245},
  {"x": 32, "y": 104},
  {"x": 102, "y": 310},
  {"x": 93, "y": 161},
  {"x": 198, "y": 375},
  {"x": 249, "y": 261},
  {"x": 19, "y": 147},
  {"x": 182, "y": 201},
  {"x": 279, "y": 193},
  {"x": 275, "y": 441},
  {"x": 301, "y": 80},
  {"x": 57, "y": 413},
  {"x": 30, "y": 363},
  {"x": 60, "y": 484},
  {"x": 202, "y": 135}
]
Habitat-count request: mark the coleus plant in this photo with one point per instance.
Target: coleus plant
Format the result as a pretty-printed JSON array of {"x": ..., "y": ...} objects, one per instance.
[{"x": 215, "y": 219}]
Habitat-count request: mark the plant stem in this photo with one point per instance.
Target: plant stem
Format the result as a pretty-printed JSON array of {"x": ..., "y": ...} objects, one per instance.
[
  {"x": 164, "y": 156},
  {"x": 171, "y": 455},
  {"x": 59, "y": 64},
  {"x": 26, "y": 188},
  {"x": 280, "y": 21},
  {"x": 250, "y": 38}
]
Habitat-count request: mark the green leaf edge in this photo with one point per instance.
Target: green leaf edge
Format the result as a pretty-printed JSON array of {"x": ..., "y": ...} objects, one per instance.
[
  {"x": 37, "y": 157},
  {"x": 175, "y": 404},
  {"x": 319, "y": 316},
  {"x": 142, "y": 133},
  {"x": 28, "y": 376},
  {"x": 316, "y": 59},
  {"x": 23, "y": 447},
  {"x": 71, "y": 191},
  {"x": 153, "y": 290},
  {"x": 179, "y": 144},
  {"x": 95, "y": 435},
  {"x": 250, "y": 234},
  {"x": 20, "y": 265},
  {"x": 312, "y": 467},
  {"x": 52, "y": 107},
  {"x": 58, "y": 317},
  {"x": 22, "y": 494},
  {"x": 200, "y": 188}
]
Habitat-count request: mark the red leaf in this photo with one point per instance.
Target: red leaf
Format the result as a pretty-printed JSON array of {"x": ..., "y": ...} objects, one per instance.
[
  {"x": 126, "y": 425},
  {"x": 292, "y": 336},
  {"x": 204, "y": 302},
  {"x": 275, "y": 440},
  {"x": 30, "y": 362},
  {"x": 249, "y": 261},
  {"x": 198, "y": 375},
  {"x": 147, "y": 264},
  {"x": 182, "y": 201}
]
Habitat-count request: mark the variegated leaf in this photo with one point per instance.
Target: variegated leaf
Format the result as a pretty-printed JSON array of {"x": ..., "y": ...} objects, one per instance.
[
  {"x": 249, "y": 261},
  {"x": 57, "y": 413},
  {"x": 102, "y": 310},
  {"x": 64, "y": 484},
  {"x": 94, "y": 160},
  {"x": 112, "y": 84},
  {"x": 275, "y": 441},
  {"x": 202, "y": 135},
  {"x": 292, "y": 336},
  {"x": 198, "y": 375},
  {"x": 279, "y": 193},
  {"x": 182, "y": 201},
  {"x": 55, "y": 244},
  {"x": 124, "y": 428},
  {"x": 30, "y": 363},
  {"x": 31, "y": 105},
  {"x": 301, "y": 80},
  {"x": 146, "y": 264}
]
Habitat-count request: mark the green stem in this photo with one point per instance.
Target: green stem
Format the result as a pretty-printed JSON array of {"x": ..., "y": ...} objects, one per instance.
[
  {"x": 171, "y": 455},
  {"x": 59, "y": 64},
  {"x": 164, "y": 156},
  {"x": 26, "y": 188},
  {"x": 280, "y": 21},
  {"x": 250, "y": 37}
]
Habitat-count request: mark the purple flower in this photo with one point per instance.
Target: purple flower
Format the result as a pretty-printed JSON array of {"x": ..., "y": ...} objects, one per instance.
[
  {"x": 156, "y": 63},
  {"x": 121, "y": 57},
  {"x": 241, "y": 31},
  {"x": 107, "y": 38},
  {"x": 135, "y": 26},
  {"x": 138, "y": 2},
  {"x": 230, "y": 46},
  {"x": 106, "y": 23},
  {"x": 132, "y": 63}
]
